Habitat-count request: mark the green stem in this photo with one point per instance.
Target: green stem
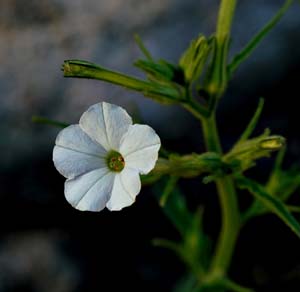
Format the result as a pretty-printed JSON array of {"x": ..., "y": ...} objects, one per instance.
[
  {"x": 210, "y": 134},
  {"x": 225, "y": 186},
  {"x": 229, "y": 205},
  {"x": 230, "y": 225}
]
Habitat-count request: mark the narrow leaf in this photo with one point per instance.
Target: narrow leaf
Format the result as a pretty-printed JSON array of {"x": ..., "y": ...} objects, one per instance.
[
  {"x": 255, "y": 41},
  {"x": 168, "y": 190},
  {"x": 282, "y": 183},
  {"x": 272, "y": 203},
  {"x": 169, "y": 245},
  {"x": 176, "y": 209},
  {"x": 253, "y": 122},
  {"x": 46, "y": 121},
  {"x": 279, "y": 159},
  {"x": 188, "y": 283},
  {"x": 234, "y": 287},
  {"x": 142, "y": 47},
  {"x": 294, "y": 209},
  {"x": 158, "y": 71}
]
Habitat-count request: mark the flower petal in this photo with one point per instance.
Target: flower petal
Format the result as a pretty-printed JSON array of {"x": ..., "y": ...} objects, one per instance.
[
  {"x": 106, "y": 123},
  {"x": 91, "y": 191},
  {"x": 139, "y": 147},
  {"x": 76, "y": 153},
  {"x": 127, "y": 185}
]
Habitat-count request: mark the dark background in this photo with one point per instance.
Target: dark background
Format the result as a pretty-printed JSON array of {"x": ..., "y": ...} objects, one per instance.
[{"x": 45, "y": 244}]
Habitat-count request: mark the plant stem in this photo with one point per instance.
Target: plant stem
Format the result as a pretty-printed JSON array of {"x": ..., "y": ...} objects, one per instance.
[
  {"x": 229, "y": 205},
  {"x": 210, "y": 134},
  {"x": 225, "y": 186}
]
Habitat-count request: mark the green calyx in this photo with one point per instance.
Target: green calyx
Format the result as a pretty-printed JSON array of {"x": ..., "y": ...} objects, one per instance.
[{"x": 115, "y": 161}]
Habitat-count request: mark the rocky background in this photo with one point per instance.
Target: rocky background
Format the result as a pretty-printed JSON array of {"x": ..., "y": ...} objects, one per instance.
[{"x": 45, "y": 245}]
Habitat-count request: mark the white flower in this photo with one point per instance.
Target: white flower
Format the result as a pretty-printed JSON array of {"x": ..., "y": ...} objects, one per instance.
[{"x": 102, "y": 158}]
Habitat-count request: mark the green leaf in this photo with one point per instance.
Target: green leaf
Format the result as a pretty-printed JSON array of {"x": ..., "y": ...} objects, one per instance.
[
  {"x": 256, "y": 40},
  {"x": 253, "y": 122},
  {"x": 161, "y": 72},
  {"x": 83, "y": 69},
  {"x": 46, "y": 121},
  {"x": 171, "y": 245},
  {"x": 188, "y": 283},
  {"x": 142, "y": 47},
  {"x": 150, "y": 178},
  {"x": 293, "y": 209},
  {"x": 175, "y": 208},
  {"x": 270, "y": 202},
  {"x": 185, "y": 255},
  {"x": 194, "y": 249},
  {"x": 282, "y": 183},
  {"x": 195, "y": 244},
  {"x": 234, "y": 287},
  {"x": 279, "y": 159},
  {"x": 170, "y": 185}
]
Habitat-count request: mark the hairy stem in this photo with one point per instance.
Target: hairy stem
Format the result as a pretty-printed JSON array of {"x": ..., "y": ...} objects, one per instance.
[
  {"x": 228, "y": 202},
  {"x": 226, "y": 190}
]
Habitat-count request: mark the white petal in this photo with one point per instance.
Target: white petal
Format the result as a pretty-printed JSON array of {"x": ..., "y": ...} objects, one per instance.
[
  {"x": 106, "y": 123},
  {"x": 127, "y": 185},
  {"x": 139, "y": 147},
  {"x": 91, "y": 191},
  {"x": 76, "y": 153}
]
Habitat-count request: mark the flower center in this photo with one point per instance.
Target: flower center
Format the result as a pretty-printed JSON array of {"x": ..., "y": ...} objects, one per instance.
[{"x": 115, "y": 161}]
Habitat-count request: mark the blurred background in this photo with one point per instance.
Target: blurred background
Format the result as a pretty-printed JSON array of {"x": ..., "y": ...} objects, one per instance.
[{"x": 45, "y": 244}]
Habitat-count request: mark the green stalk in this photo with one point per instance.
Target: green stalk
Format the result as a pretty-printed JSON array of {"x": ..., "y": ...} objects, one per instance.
[
  {"x": 210, "y": 133},
  {"x": 229, "y": 205}
]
